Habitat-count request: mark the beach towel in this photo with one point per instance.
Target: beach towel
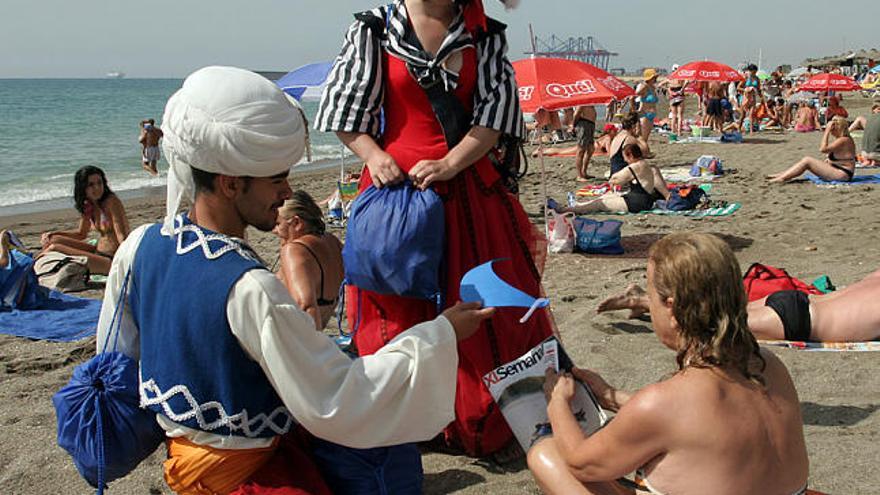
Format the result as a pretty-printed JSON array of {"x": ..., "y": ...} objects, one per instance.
[
  {"x": 824, "y": 346},
  {"x": 683, "y": 175},
  {"x": 62, "y": 318},
  {"x": 720, "y": 211},
  {"x": 858, "y": 179}
]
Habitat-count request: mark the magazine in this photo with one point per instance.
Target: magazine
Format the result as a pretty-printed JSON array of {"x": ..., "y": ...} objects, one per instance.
[{"x": 518, "y": 389}]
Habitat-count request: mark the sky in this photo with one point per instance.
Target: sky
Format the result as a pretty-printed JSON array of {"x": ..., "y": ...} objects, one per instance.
[{"x": 165, "y": 38}]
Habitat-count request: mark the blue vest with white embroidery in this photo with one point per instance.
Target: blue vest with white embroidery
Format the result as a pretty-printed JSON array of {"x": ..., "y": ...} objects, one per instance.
[{"x": 193, "y": 369}]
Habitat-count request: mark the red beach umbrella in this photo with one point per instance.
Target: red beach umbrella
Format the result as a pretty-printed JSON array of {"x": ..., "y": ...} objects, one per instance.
[
  {"x": 830, "y": 82},
  {"x": 706, "y": 70},
  {"x": 554, "y": 83}
]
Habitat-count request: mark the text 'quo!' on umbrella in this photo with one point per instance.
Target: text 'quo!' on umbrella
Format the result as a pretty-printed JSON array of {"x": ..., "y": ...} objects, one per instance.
[
  {"x": 706, "y": 71},
  {"x": 555, "y": 83}
]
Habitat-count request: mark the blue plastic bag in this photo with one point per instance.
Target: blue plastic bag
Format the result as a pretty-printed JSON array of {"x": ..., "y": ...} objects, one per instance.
[
  {"x": 19, "y": 287},
  {"x": 598, "y": 237},
  {"x": 394, "y": 242},
  {"x": 684, "y": 198},
  {"x": 100, "y": 422}
]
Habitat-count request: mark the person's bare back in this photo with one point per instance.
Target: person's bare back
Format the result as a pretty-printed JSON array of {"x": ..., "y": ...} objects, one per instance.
[{"x": 727, "y": 435}]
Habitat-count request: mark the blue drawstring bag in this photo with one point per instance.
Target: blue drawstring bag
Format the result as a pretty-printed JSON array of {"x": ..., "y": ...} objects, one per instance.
[
  {"x": 377, "y": 471},
  {"x": 394, "y": 242},
  {"x": 100, "y": 422},
  {"x": 19, "y": 287},
  {"x": 598, "y": 237}
]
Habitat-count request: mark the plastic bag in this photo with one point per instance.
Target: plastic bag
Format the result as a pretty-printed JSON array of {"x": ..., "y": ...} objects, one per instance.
[
  {"x": 598, "y": 237},
  {"x": 560, "y": 235}
]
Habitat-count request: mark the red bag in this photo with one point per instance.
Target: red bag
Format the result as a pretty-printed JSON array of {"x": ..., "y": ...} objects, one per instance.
[{"x": 762, "y": 280}]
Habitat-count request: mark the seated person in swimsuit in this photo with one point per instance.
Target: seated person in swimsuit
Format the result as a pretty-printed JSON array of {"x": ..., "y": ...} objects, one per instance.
[
  {"x": 807, "y": 118},
  {"x": 311, "y": 259},
  {"x": 100, "y": 210},
  {"x": 847, "y": 315},
  {"x": 769, "y": 110},
  {"x": 841, "y": 161},
  {"x": 629, "y": 134},
  {"x": 677, "y": 433},
  {"x": 644, "y": 180}
]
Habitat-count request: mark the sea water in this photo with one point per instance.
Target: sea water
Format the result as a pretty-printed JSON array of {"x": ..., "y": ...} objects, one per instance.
[{"x": 49, "y": 128}]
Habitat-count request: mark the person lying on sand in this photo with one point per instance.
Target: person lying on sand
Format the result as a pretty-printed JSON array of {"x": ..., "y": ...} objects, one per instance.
[
  {"x": 646, "y": 185},
  {"x": 728, "y": 422},
  {"x": 840, "y": 163},
  {"x": 100, "y": 209},
  {"x": 311, "y": 259},
  {"x": 847, "y": 315},
  {"x": 602, "y": 145}
]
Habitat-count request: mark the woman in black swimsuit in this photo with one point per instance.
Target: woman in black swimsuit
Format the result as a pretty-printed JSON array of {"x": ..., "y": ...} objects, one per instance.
[
  {"x": 311, "y": 259},
  {"x": 840, "y": 164},
  {"x": 646, "y": 185},
  {"x": 628, "y": 135}
]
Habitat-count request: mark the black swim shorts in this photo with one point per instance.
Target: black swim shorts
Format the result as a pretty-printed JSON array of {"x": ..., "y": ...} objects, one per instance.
[{"x": 585, "y": 130}]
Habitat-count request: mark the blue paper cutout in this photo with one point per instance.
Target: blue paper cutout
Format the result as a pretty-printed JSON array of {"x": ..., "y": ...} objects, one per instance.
[{"x": 483, "y": 285}]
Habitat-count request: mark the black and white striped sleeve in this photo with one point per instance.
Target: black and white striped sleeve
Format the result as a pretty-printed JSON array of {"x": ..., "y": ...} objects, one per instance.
[
  {"x": 352, "y": 99},
  {"x": 496, "y": 105}
]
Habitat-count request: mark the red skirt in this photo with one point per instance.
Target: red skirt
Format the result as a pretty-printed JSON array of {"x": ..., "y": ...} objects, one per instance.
[{"x": 483, "y": 222}]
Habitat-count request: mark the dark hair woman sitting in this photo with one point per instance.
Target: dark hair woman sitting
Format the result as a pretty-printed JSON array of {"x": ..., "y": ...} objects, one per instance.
[{"x": 100, "y": 209}]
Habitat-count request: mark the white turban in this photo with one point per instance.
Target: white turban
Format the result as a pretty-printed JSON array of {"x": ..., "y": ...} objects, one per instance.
[{"x": 227, "y": 121}]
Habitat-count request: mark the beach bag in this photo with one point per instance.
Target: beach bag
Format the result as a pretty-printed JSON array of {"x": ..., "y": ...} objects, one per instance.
[
  {"x": 62, "y": 272},
  {"x": 378, "y": 471},
  {"x": 560, "y": 235},
  {"x": 709, "y": 163},
  {"x": 598, "y": 237},
  {"x": 394, "y": 242},
  {"x": 100, "y": 422},
  {"x": 761, "y": 280},
  {"x": 684, "y": 198}
]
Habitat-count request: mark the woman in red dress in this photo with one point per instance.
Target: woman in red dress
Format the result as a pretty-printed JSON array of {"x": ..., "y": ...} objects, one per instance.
[{"x": 454, "y": 44}]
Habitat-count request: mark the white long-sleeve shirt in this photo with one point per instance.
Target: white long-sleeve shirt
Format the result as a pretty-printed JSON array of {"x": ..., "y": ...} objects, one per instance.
[{"x": 403, "y": 393}]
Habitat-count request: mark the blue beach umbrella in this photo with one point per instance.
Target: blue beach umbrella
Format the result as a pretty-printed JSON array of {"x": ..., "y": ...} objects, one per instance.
[
  {"x": 875, "y": 69},
  {"x": 483, "y": 285},
  {"x": 306, "y": 82}
]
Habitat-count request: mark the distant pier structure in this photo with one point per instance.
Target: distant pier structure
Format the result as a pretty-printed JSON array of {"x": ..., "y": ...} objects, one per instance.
[{"x": 584, "y": 49}]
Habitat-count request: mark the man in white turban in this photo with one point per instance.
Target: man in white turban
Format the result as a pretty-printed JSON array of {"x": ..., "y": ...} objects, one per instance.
[{"x": 228, "y": 362}]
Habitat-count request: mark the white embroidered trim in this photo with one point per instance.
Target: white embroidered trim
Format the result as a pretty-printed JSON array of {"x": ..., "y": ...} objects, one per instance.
[
  {"x": 202, "y": 240},
  {"x": 151, "y": 395}
]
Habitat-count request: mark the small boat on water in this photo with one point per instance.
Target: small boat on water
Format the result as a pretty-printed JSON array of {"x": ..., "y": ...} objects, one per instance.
[{"x": 115, "y": 75}]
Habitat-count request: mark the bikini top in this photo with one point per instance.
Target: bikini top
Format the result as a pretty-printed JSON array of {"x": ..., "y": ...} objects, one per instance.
[
  {"x": 752, "y": 82},
  {"x": 102, "y": 224},
  {"x": 321, "y": 301},
  {"x": 650, "y": 96}
]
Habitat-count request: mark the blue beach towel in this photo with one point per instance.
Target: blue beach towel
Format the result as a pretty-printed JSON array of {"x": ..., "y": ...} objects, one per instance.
[
  {"x": 62, "y": 318},
  {"x": 858, "y": 179}
]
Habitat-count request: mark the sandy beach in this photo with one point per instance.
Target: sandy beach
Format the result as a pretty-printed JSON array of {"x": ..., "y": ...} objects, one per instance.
[{"x": 808, "y": 230}]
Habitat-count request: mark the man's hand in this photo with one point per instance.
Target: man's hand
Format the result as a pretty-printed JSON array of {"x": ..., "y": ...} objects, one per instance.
[
  {"x": 426, "y": 172},
  {"x": 466, "y": 318},
  {"x": 383, "y": 169}
]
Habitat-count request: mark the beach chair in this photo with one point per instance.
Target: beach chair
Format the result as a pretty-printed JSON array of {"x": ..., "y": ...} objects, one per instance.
[
  {"x": 871, "y": 90},
  {"x": 340, "y": 204}
]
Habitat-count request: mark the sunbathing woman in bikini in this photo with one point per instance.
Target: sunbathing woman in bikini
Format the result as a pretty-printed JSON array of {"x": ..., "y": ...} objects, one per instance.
[
  {"x": 602, "y": 145},
  {"x": 840, "y": 164},
  {"x": 311, "y": 259},
  {"x": 101, "y": 210},
  {"x": 847, "y": 315},
  {"x": 727, "y": 423}
]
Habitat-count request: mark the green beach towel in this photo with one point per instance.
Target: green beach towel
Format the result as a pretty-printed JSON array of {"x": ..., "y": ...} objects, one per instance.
[{"x": 721, "y": 211}]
